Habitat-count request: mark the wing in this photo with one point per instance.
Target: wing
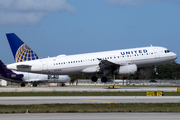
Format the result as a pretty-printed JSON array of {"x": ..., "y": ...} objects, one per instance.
[
  {"x": 103, "y": 65},
  {"x": 107, "y": 65}
]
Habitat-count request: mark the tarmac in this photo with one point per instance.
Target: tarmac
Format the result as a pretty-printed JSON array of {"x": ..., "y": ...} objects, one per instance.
[
  {"x": 91, "y": 116},
  {"x": 86, "y": 88},
  {"x": 88, "y": 99}
]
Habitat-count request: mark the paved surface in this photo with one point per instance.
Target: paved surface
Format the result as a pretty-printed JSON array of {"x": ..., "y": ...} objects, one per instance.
[
  {"x": 87, "y": 88},
  {"x": 89, "y": 99},
  {"x": 92, "y": 116}
]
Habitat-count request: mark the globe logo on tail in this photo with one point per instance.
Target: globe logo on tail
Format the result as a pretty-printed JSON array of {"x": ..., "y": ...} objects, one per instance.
[{"x": 24, "y": 53}]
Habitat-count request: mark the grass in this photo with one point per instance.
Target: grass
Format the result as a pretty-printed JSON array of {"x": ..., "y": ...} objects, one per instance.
[
  {"x": 4, "y": 94},
  {"x": 91, "y": 108}
]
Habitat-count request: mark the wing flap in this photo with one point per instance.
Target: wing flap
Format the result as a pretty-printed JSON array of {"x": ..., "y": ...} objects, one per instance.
[{"x": 110, "y": 66}]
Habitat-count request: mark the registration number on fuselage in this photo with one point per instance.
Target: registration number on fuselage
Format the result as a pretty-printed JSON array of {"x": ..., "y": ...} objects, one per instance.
[{"x": 53, "y": 76}]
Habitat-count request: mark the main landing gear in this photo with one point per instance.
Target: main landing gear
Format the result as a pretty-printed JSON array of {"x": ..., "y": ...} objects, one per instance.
[
  {"x": 103, "y": 79},
  {"x": 23, "y": 84},
  {"x": 35, "y": 84},
  {"x": 155, "y": 69},
  {"x": 94, "y": 78}
]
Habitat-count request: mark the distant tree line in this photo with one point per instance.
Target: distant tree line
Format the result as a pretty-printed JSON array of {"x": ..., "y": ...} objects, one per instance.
[{"x": 166, "y": 71}]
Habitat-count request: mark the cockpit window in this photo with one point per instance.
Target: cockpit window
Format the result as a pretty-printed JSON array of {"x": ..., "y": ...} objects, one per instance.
[{"x": 166, "y": 51}]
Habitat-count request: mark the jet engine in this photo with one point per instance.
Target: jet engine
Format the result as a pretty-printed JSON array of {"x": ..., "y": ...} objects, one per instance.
[{"x": 127, "y": 69}]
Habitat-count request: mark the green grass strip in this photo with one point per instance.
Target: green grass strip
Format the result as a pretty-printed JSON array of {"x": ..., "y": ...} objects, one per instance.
[
  {"x": 82, "y": 94},
  {"x": 91, "y": 108}
]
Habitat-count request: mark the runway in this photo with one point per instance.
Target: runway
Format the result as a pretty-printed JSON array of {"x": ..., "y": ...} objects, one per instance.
[
  {"x": 92, "y": 116},
  {"x": 89, "y": 99},
  {"x": 87, "y": 88}
]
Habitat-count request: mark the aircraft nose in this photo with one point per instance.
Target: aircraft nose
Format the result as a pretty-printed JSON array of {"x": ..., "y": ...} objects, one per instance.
[{"x": 174, "y": 56}]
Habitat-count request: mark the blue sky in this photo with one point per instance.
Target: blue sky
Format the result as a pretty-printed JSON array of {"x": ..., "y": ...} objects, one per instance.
[{"x": 54, "y": 27}]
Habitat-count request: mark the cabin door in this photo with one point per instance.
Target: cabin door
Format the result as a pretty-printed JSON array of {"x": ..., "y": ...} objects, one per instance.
[
  {"x": 156, "y": 52},
  {"x": 44, "y": 65}
]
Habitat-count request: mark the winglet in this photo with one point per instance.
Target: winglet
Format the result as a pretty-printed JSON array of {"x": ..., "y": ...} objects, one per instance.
[{"x": 20, "y": 50}]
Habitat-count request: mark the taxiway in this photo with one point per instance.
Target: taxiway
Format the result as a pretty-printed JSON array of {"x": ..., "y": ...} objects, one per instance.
[
  {"x": 87, "y": 88},
  {"x": 89, "y": 99},
  {"x": 92, "y": 116}
]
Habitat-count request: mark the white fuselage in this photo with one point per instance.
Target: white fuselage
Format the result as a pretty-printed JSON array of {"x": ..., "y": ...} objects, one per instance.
[
  {"x": 33, "y": 77},
  {"x": 74, "y": 64}
]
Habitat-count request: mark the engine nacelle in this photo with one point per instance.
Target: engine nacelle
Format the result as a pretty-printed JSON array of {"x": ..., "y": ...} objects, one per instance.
[{"x": 127, "y": 69}]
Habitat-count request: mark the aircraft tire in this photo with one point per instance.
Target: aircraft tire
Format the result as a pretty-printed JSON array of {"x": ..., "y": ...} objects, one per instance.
[
  {"x": 34, "y": 84},
  {"x": 94, "y": 78},
  {"x": 104, "y": 79},
  {"x": 23, "y": 85}
]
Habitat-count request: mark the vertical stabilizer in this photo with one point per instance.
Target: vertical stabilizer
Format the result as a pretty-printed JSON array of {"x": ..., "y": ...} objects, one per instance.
[{"x": 20, "y": 50}]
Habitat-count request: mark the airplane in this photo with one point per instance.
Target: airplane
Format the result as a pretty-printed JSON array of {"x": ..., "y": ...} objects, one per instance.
[
  {"x": 25, "y": 77},
  {"x": 33, "y": 78},
  {"x": 121, "y": 62}
]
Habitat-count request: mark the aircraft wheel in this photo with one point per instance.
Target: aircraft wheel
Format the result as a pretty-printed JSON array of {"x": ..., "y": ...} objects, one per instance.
[
  {"x": 23, "y": 85},
  {"x": 104, "y": 79},
  {"x": 34, "y": 84},
  {"x": 94, "y": 78}
]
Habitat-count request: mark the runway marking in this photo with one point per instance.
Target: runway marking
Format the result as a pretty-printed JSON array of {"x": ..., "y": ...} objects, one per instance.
[{"x": 99, "y": 101}]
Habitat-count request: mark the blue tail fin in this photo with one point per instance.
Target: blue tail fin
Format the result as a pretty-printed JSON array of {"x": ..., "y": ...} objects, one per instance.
[{"x": 20, "y": 50}]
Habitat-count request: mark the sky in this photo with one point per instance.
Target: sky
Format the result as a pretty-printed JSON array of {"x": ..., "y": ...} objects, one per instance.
[{"x": 55, "y": 27}]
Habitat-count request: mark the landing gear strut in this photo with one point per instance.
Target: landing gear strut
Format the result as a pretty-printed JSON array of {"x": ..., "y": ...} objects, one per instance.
[{"x": 155, "y": 68}]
